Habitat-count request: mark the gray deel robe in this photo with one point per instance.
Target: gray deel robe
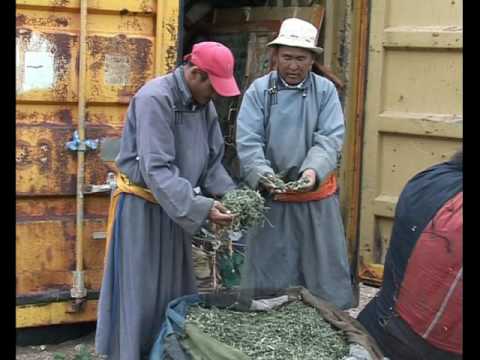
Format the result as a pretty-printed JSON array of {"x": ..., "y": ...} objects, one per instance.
[
  {"x": 303, "y": 128},
  {"x": 171, "y": 147}
]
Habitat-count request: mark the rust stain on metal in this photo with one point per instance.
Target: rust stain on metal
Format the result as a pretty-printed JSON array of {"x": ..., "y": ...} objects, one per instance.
[
  {"x": 115, "y": 120},
  {"x": 141, "y": 51},
  {"x": 49, "y": 254},
  {"x": 65, "y": 115},
  {"x": 23, "y": 33},
  {"x": 145, "y": 7},
  {"x": 45, "y": 166},
  {"x": 60, "y": 46},
  {"x": 137, "y": 51},
  {"x": 124, "y": 95},
  {"x": 45, "y": 156},
  {"x": 171, "y": 51},
  {"x": 42, "y": 21},
  {"x": 61, "y": 117},
  {"x": 20, "y": 20},
  {"x": 48, "y": 168},
  {"x": 23, "y": 154},
  {"x": 39, "y": 154},
  {"x": 59, "y": 3},
  {"x": 129, "y": 23},
  {"x": 171, "y": 58},
  {"x": 171, "y": 29},
  {"x": 61, "y": 21},
  {"x": 60, "y": 208},
  {"x": 67, "y": 181},
  {"x": 97, "y": 170},
  {"x": 63, "y": 44}
]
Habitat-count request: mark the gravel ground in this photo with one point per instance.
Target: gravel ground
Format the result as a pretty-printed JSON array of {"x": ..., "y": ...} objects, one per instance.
[
  {"x": 366, "y": 294},
  {"x": 68, "y": 350},
  {"x": 72, "y": 350}
]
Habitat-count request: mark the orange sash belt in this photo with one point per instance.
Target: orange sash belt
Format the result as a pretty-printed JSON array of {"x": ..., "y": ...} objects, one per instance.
[
  {"x": 124, "y": 185},
  {"x": 324, "y": 190}
]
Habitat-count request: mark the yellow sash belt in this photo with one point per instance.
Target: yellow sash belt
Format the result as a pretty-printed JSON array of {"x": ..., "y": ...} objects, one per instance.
[{"x": 124, "y": 185}]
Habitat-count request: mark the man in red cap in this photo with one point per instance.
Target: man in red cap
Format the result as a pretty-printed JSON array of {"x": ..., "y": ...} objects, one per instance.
[{"x": 170, "y": 172}]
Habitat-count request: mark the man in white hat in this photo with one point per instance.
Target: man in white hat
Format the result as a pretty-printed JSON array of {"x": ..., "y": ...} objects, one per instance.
[{"x": 291, "y": 124}]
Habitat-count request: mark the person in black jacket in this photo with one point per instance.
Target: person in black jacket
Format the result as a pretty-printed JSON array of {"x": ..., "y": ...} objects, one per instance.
[{"x": 417, "y": 313}]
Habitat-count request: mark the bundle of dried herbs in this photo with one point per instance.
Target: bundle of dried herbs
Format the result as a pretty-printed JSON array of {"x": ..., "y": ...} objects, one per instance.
[
  {"x": 278, "y": 184},
  {"x": 293, "y": 331},
  {"x": 248, "y": 206}
]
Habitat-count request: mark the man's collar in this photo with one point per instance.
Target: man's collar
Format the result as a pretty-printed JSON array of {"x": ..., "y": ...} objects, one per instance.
[
  {"x": 298, "y": 86},
  {"x": 185, "y": 93}
]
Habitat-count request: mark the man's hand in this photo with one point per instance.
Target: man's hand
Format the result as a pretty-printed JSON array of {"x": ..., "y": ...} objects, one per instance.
[
  {"x": 267, "y": 183},
  {"x": 311, "y": 178},
  {"x": 220, "y": 215}
]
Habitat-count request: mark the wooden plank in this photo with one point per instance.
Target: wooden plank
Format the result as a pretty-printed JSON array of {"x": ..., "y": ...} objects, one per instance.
[
  {"x": 450, "y": 37},
  {"x": 437, "y": 125},
  {"x": 384, "y": 205},
  {"x": 371, "y": 157}
]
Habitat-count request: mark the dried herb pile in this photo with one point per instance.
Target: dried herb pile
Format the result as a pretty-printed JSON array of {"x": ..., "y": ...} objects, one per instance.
[
  {"x": 276, "y": 182},
  {"x": 293, "y": 331},
  {"x": 249, "y": 207}
]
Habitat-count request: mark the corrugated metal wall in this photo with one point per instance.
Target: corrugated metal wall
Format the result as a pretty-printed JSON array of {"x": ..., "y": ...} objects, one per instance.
[
  {"x": 120, "y": 58},
  {"x": 413, "y": 113}
]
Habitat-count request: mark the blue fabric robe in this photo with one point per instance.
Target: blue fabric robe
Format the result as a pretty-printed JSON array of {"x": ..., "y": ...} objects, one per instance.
[
  {"x": 285, "y": 131},
  {"x": 171, "y": 146}
]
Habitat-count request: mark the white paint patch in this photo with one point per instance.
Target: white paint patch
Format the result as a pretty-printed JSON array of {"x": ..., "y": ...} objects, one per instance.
[
  {"x": 35, "y": 64},
  {"x": 18, "y": 66},
  {"x": 117, "y": 69}
]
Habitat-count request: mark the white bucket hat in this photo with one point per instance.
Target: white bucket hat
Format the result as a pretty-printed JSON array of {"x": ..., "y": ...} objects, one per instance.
[{"x": 297, "y": 33}]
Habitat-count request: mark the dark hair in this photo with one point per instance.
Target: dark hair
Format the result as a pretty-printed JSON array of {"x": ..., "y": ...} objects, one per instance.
[
  {"x": 203, "y": 74},
  {"x": 457, "y": 159}
]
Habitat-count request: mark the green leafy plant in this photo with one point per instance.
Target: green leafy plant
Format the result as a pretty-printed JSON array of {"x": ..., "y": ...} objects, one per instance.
[
  {"x": 248, "y": 206},
  {"x": 83, "y": 354},
  {"x": 277, "y": 183},
  {"x": 293, "y": 331}
]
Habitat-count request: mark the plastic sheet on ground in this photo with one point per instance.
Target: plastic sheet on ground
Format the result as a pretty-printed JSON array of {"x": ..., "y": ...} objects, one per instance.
[{"x": 182, "y": 340}]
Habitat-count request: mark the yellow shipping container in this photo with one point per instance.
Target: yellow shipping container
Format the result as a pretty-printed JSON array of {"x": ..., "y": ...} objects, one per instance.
[{"x": 119, "y": 53}]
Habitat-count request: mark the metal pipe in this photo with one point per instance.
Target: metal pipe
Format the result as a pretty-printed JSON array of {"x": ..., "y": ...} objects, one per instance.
[
  {"x": 362, "y": 31},
  {"x": 78, "y": 290},
  {"x": 329, "y": 33},
  {"x": 167, "y": 23},
  {"x": 160, "y": 39}
]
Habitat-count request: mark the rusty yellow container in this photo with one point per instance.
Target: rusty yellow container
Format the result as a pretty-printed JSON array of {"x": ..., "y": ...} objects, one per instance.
[{"x": 126, "y": 43}]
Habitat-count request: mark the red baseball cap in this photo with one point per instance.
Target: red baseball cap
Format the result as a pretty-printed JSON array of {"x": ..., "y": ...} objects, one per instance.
[{"x": 217, "y": 61}]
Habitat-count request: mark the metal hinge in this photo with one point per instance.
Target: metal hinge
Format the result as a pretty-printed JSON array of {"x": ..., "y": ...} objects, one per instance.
[
  {"x": 77, "y": 145},
  {"x": 99, "y": 235},
  {"x": 110, "y": 185}
]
